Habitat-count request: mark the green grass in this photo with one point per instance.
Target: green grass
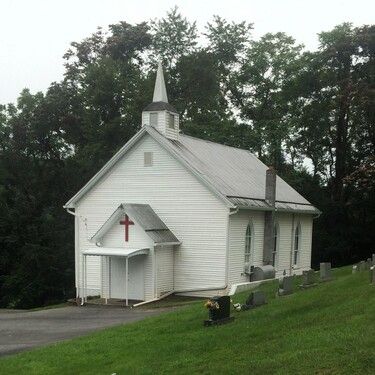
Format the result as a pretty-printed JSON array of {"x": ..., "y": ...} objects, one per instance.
[{"x": 329, "y": 329}]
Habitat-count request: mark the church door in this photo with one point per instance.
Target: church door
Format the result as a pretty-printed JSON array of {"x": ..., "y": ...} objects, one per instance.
[{"x": 136, "y": 278}]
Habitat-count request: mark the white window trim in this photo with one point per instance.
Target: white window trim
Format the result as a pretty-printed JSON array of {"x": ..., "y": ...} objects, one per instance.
[
  {"x": 249, "y": 250},
  {"x": 275, "y": 252},
  {"x": 170, "y": 115},
  {"x": 298, "y": 250}
]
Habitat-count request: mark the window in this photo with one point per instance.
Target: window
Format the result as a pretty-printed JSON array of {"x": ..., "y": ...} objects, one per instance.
[
  {"x": 148, "y": 156},
  {"x": 170, "y": 121},
  {"x": 297, "y": 244},
  {"x": 153, "y": 119},
  {"x": 275, "y": 244},
  {"x": 248, "y": 243}
]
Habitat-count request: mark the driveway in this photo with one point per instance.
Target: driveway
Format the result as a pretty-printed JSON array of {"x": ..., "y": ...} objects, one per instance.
[{"x": 22, "y": 330}]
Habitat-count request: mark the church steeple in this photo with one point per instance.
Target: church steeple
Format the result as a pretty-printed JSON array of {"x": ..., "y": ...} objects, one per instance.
[
  {"x": 160, "y": 114},
  {"x": 160, "y": 91}
]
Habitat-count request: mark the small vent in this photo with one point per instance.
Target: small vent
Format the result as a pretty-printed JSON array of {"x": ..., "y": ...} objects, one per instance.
[{"x": 148, "y": 159}]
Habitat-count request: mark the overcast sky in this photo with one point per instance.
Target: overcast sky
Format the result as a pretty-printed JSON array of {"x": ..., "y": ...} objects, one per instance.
[{"x": 34, "y": 34}]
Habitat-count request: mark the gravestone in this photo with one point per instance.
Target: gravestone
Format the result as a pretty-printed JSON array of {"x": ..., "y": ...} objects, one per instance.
[
  {"x": 286, "y": 286},
  {"x": 256, "y": 298},
  {"x": 308, "y": 279},
  {"x": 362, "y": 265},
  {"x": 220, "y": 312},
  {"x": 325, "y": 272},
  {"x": 355, "y": 269},
  {"x": 369, "y": 263},
  {"x": 372, "y": 275}
]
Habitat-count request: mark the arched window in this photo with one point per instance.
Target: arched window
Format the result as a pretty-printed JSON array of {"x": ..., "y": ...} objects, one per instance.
[
  {"x": 275, "y": 244},
  {"x": 297, "y": 244},
  {"x": 248, "y": 243}
]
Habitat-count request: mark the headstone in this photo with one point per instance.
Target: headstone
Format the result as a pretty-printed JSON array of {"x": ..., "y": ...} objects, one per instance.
[
  {"x": 256, "y": 298},
  {"x": 218, "y": 311},
  {"x": 372, "y": 275},
  {"x": 263, "y": 273},
  {"x": 286, "y": 286},
  {"x": 308, "y": 279},
  {"x": 355, "y": 269},
  {"x": 325, "y": 272},
  {"x": 369, "y": 263},
  {"x": 362, "y": 265}
]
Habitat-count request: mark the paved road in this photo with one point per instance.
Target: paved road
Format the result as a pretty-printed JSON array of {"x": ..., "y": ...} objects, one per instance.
[{"x": 22, "y": 330}]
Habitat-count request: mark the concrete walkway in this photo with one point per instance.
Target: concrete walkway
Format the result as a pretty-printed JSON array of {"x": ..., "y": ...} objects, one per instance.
[{"x": 22, "y": 330}]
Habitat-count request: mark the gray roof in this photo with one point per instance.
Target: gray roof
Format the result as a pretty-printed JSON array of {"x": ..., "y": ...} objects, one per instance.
[
  {"x": 160, "y": 106},
  {"x": 145, "y": 216},
  {"x": 235, "y": 173},
  {"x": 236, "y": 176}
]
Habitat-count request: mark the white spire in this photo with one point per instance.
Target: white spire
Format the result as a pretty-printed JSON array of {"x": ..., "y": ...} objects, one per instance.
[{"x": 160, "y": 92}]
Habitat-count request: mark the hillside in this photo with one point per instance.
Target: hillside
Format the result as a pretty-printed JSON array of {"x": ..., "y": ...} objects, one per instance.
[{"x": 328, "y": 329}]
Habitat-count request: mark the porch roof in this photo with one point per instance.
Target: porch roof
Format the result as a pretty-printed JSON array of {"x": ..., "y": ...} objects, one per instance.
[{"x": 115, "y": 251}]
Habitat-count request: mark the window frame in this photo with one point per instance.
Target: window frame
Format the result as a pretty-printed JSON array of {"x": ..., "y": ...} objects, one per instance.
[
  {"x": 249, "y": 241},
  {"x": 275, "y": 248},
  {"x": 171, "y": 116},
  {"x": 296, "y": 241}
]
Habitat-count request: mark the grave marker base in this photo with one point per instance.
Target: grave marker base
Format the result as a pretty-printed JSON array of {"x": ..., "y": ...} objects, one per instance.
[
  {"x": 307, "y": 286},
  {"x": 209, "y": 322}
]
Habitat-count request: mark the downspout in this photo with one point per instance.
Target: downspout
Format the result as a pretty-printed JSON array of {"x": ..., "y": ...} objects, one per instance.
[{"x": 228, "y": 246}]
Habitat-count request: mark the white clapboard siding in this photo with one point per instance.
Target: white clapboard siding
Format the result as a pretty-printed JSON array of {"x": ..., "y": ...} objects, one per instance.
[
  {"x": 189, "y": 209},
  {"x": 306, "y": 223},
  {"x": 237, "y": 230},
  {"x": 287, "y": 224},
  {"x": 164, "y": 269},
  {"x": 283, "y": 255}
]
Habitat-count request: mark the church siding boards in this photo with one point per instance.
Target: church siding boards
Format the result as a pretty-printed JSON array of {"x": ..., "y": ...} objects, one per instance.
[
  {"x": 189, "y": 209},
  {"x": 164, "y": 260},
  {"x": 238, "y": 226}
]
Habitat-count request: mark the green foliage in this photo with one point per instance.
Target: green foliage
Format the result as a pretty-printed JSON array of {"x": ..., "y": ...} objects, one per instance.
[
  {"x": 292, "y": 108},
  {"x": 323, "y": 330}
]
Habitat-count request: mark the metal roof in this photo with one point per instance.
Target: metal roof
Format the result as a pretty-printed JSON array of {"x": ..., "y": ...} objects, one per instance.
[
  {"x": 146, "y": 217},
  {"x": 233, "y": 172},
  {"x": 115, "y": 251},
  {"x": 230, "y": 173},
  {"x": 160, "y": 106},
  {"x": 257, "y": 204}
]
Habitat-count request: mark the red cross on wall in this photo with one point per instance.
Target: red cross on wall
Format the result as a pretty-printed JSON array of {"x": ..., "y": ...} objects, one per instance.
[{"x": 126, "y": 222}]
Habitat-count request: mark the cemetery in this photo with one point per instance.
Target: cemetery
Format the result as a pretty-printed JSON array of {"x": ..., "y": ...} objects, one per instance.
[{"x": 318, "y": 316}]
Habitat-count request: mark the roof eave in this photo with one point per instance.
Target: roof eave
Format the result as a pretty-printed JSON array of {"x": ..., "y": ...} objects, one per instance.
[{"x": 102, "y": 172}]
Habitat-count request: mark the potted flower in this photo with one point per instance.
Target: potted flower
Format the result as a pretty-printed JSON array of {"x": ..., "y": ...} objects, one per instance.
[{"x": 212, "y": 307}]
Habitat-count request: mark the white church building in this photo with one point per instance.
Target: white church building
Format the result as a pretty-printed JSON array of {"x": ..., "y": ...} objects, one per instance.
[{"x": 170, "y": 213}]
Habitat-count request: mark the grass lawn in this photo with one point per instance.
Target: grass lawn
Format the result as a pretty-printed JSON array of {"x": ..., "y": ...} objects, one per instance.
[{"x": 329, "y": 329}]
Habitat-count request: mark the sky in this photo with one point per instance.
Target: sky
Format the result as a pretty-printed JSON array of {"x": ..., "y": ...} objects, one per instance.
[{"x": 35, "y": 34}]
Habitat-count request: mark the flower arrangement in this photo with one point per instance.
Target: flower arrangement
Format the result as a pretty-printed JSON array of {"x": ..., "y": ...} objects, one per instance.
[{"x": 212, "y": 305}]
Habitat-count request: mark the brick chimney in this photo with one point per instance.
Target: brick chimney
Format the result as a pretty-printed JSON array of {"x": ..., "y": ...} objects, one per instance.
[{"x": 270, "y": 197}]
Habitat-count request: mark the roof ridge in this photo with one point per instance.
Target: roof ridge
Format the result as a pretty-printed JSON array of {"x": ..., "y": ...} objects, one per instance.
[{"x": 220, "y": 144}]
